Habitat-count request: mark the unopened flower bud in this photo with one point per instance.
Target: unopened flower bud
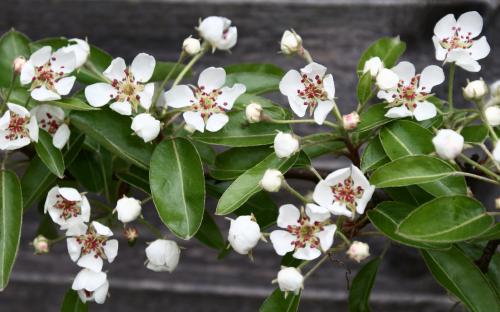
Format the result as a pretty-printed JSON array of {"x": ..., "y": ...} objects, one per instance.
[
  {"x": 18, "y": 64},
  {"x": 350, "y": 121},
  {"x": 492, "y": 114},
  {"x": 131, "y": 234},
  {"x": 358, "y": 251},
  {"x": 495, "y": 89},
  {"x": 291, "y": 42},
  {"x": 41, "y": 245},
  {"x": 497, "y": 203},
  {"x": 448, "y": 144},
  {"x": 191, "y": 46},
  {"x": 244, "y": 234},
  {"x": 475, "y": 90},
  {"x": 373, "y": 65},
  {"x": 146, "y": 127},
  {"x": 271, "y": 181},
  {"x": 386, "y": 79},
  {"x": 496, "y": 152},
  {"x": 163, "y": 255},
  {"x": 285, "y": 145},
  {"x": 128, "y": 209},
  {"x": 290, "y": 280},
  {"x": 253, "y": 112}
]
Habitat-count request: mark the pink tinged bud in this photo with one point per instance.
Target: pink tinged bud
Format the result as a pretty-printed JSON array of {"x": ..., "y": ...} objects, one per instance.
[
  {"x": 358, "y": 251},
  {"x": 41, "y": 245},
  {"x": 350, "y": 121},
  {"x": 18, "y": 64}
]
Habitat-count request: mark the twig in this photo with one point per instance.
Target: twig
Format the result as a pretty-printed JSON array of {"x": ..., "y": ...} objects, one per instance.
[{"x": 488, "y": 253}]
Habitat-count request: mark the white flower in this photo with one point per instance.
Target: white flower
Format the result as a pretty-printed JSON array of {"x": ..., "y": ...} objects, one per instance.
[
  {"x": 191, "y": 46},
  {"x": 307, "y": 234},
  {"x": 285, "y": 145},
  {"x": 291, "y": 42},
  {"x": 454, "y": 40},
  {"x": 51, "y": 119},
  {"x": 91, "y": 286},
  {"x": 80, "y": 48},
  {"x": 47, "y": 74},
  {"x": 207, "y": 104},
  {"x": 18, "y": 63},
  {"x": 495, "y": 89},
  {"x": 386, "y": 79},
  {"x": 128, "y": 209},
  {"x": 409, "y": 96},
  {"x": 496, "y": 152},
  {"x": 475, "y": 90},
  {"x": 67, "y": 207},
  {"x": 89, "y": 246},
  {"x": 448, "y": 143},
  {"x": 17, "y": 128},
  {"x": 290, "y": 280},
  {"x": 350, "y": 121},
  {"x": 146, "y": 127},
  {"x": 373, "y": 65},
  {"x": 244, "y": 234},
  {"x": 358, "y": 251},
  {"x": 218, "y": 32},
  {"x": 128, "y": 88},
  {"x": 272, "y": 180},
  {"x": 253, "y": 112},
  {"x": 163, "y": 255},
  {"x": 41, "y": 245},
  {"x": 343, "y": 192},
  {"x": 310, "y": 88}
]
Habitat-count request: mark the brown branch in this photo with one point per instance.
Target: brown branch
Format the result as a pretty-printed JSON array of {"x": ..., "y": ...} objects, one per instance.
[{"x": 488, "y": 253}]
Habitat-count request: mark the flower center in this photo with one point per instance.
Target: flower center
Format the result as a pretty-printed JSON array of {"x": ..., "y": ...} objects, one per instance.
[
  {"x": 347, "y": 193},
  {"x": 68, "y": 208},
  {"x": 92, "y": 242},
  {"x": 409, "y": 95},
  {"x": 46, "y": 76},
  {"x": 18, "y": 127},
  {"x": 128, "y": 89},
  {"x": 206, "y": 102},
  {"x": 457, "y": 41},
  {"x": 49, "y": 123},
  {"x": 304, "y": 232},
  {"x": 312, "y": 92}
]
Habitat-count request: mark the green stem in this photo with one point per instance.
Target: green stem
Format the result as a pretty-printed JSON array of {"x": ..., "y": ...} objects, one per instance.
[
  {"x": 189, "y": 65},
  {"x": 292, "y": 191},
  {"x": 9, "y": 92},
  {"x": 479, "y": 167},
  {"x": 451, "y": 78},
  {"x": 306, "y": 55},
  {"x": 315, "y": 172},
  {"x": 344, "y": 238},
  {"x": 93, "y": 69},
  {"x": 316, "y": 266},
  {"x": 490, "y": 156},
  {"x": 478, "y": 177},
  {"x": 162, "y": 85},
  {"x": 146, "y": 200},
  {"x": 300, "y": 121}
]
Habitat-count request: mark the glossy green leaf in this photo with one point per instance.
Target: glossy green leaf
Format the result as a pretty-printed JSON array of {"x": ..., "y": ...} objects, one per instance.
[
  {"x": 73, "y": 303},
  {"x": 20, "y": 96},
  {"x": 209, "y": 233},
  {"x": 73, "y": 103},
  {"x": 319, "y": 144},
  {"x": 86, "y": 170},
  {"x": 50, "y": 155},
  {"x": 475, "y": 134},
  {"x": 136, "y": 177},
  {"x": 162, "y": 69},
  {"x": 372, "y": 118},
  {"x": 206, "y": 151},
  {"x": 178, "y": 186},
  {"x": 490, "y": 234},
  {"x": 373, "y": 156},
  {"x": 231, "y": 163},
  {"x": 475, "y": 251},
  {"x": 362, "y": 284},
  {"x": 364, "y": 89},
  {"x": 402, "y": 138},
  {"x": 113, "y": 132},
  {"x": 11, "y": 214},
  {"x": 277, "y": 302},
  {"x": 460, "y": 276},
  {"x": 12, "y": 45},
  {"x": 247, "y": 184},
  {"x": 412, "y": 195},
  {"x": 387, "y": 49},
  {"x": 258, "y": 78},
  {"x": 446, "y": 219}
]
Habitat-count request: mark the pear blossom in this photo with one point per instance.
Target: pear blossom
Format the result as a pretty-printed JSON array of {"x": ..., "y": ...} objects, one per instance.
[
  {"x": 191, "y": 46},
  {"x": 244, "y": 234},
  {"x": 206, "y": 105},
  {"x": 67, "y": 207},
  {"x": 51, "y": 119},
  {"x": 18, "y": 128},
  {"x": 163, "y": 255},
  {"x": 128, "y": 88},
  {"x": 89, "y": 245},
  {"x": 218, "y": 32},
  {"x": 291, "y": 42},
  {"x": 47, "y": 74},
  {"x": 475, "y": 90},
  {"x": 358, "y": 251},
  {"x": 455, "y": 41},
  {"x": 309, "y": 89},
  {"x": 285, "y": 145},
  {"x": 272, "y": 180},
  {"x": 448, "y": 143},
  {"x": 307, "y": 233},
  {"x": 128, "y": 209},
  {"x": 253, "y": 112},
  {"x": 386, "y": 79},
  {"x": 350, "y": 121},
  {"x": 91, "y": 286},
  {"x": 290, "y": 280},
  {"x": 410, "y": 96},
  {"x": 146, "y": 127},
  {"x": 41, "y": 245},
  {"x": 80, "y": 48},
  {"x": 492, "y": 114},
  {"x": 343, "y": 192},
  {"x": 373, "y": 65}
]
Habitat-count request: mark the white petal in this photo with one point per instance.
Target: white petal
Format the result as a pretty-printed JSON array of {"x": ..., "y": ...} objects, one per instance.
[
  {"x": 298, "y": 106},
  {"x": 367, "y": 195},
  {"x": 424, "y": 110},
  {"x": 290, "y": 83},
  {"x": 111, "y": 249},
  {"x": 228, "y": 40},
  {"x": 76, "y": 229},
  {"x": 146, "y": 96},
  {"x": 314, "y": 69},
  {"x": 33, "y": 129},
  {"x": 326, "y": 236},
  {"x": 329, "y": 86},
  {"x": 40, "y": 56},
  {"x": 340, "y": 209},
  {"x": 89, "y": 280},
  {"x": 194, "y": 120},
  {"x": 51, "y": 198},
  {"x": 431, "y": 76},
  {"x": 11, "y": 145},
  {"x": 27, "y": 73},
  {"x": 288, "y": 215},
  {"x": 317, "y": 213},
  {"x": 116, "y": 70},
  {"x": 216, "y": 122},
  {"x": 63, "y": 62},
  {"x": 70, "y": 194},
  {"x": 61, "y": 136},
  {"x": 313, "y": 208},
  {"x": 212, "y": 78},
  {"x": 323, "y": 194},
  {"x": 229, "y": 95},
  {"x": 387, "y": 79},
  {"x": 463, "y": 59},
  {"x": 179, "y": 96},
  {"x": 444, "y": 26},
  {"x": 440, "y": 51},
  {"x": 89, "y": 261},
  {"x": 358, "y": 177},
  {"x": 307, "y": 253},
  {"x": 398, "y": 112},
  {"x": 282, "y": 241},
  {"x": 102, "y": 229},
  {"x": 64, "y": 85},
  {"x": 5, "y": 121},
  {"x": 18, "y": 109},
  {"x": 143, "y": 67},
  {"x": 386, "y": 95},
  {"x": 405, "y": 71},
  {"x": 99, "y": 94},
  {"x": 101, "y": 293},
  {"x": 42, "y": 94},
  {"x": 338, "y": 176},
  {"x": 470, "y": 22},
  {"x": 74, "y": 249},
  {"x": 322, "y": 110},
  {"x": 122, "y": 108},
  {"x": 479, "y": 49},
  {"x": 212, "y": 28},
  {"x": 85, "y": 209}
]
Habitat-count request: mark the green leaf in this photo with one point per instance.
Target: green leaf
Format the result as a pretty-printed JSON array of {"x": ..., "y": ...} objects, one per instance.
[
  {"x": 412, "y": 195},
  {"x": 475, "y": 251},
  {"x": 50, "y": 155},
  {"x": 12, "y": 45},
  {"x": 388, "y": 49},
  {"x": 207, "y": 153},
  {"x": 475, "y": 134},
  {"x": 86, "y": 170},
  {"x": 386, "y": 218},
  {"x": 319, "y": 144},
  {"x": 72, "y": 303},
  {"x": 209, "y": 233},
  {"x": 372, "y": 118},
  {"x": 98, "y": 59},
  {"x": 73, "y": 103},
  {"x": 373, "y": 156},
  {"x": 362, "y": 284},
  {"x": 364, "y": 89},
  {"x": 247, "y": 184},
  {"x": 113, "y": 132},
  {"x": 446, "y": 219},
  {"x": 258, "y": 78},
  {"x": 277, "y": 302},
  {"x": 402, "y": 138},
  {"x": 136, "y": 177},
  {"x": 455, "y": 272},
  {"x": 19, "y": 96},
  {"x": 11, "y": 216},
  {"x": 162, "y": 69},
  {"x": 491, "y": 234},
  {"x": 178, "y": 186},
  {"x": 233, "y": 162}
]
